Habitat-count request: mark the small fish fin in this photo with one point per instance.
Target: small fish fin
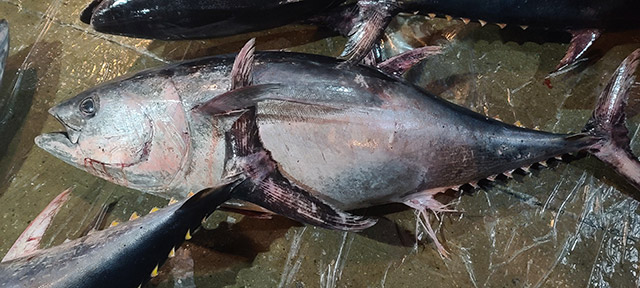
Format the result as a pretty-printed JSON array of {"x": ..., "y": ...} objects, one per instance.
[
  {"x": 374, "y": 17},
  {"x": 581, "y": 40},
  {"x": 99, "y": 221},
  {"x": 29, "y": 240},
  {"x": 247, "y": 209},
  {"x": 239, "y": 99},
  {"x": 399, "y": 64},
  {"x": 268, "y": 188},
  {"x": 243, "y": 66},
  {"x": 608, "y": 123}
]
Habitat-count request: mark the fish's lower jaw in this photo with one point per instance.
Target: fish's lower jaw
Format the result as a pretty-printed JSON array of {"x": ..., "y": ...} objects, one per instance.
[{"x": 58, "y": 145}]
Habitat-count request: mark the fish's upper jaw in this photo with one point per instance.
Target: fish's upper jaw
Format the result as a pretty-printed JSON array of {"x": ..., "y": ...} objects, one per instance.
[{"x": 73, "y": 133}]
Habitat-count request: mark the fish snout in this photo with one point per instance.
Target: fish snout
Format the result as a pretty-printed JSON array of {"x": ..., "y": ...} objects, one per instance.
[{"x": 72, "y": 133}]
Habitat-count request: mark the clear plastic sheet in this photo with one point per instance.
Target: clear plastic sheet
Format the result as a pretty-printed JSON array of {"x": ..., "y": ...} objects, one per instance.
[{"x": 575, "y": 224}]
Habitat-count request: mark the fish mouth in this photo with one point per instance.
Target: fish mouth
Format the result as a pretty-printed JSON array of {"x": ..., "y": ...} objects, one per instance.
[
  {"x": 58, "y": 145},
  {"x": 72, "y": 133},
  {"x": 61, "y": 144}
]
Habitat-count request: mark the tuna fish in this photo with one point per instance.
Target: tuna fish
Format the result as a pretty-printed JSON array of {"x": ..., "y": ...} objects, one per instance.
[
  {"x": 126, "y": 255},
  {"x": 4, "y": 45},
  {"x": 584, "y": 19},
  {"x": 316, "y": 138},
  {"x": 171, "y": 20}
]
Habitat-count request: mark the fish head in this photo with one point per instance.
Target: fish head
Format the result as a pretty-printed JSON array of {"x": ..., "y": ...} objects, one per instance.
[{"x": 133, "y": 134}]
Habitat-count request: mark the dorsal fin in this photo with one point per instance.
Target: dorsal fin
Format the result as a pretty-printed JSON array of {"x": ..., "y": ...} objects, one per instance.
[{"x": 243, "y": 66}]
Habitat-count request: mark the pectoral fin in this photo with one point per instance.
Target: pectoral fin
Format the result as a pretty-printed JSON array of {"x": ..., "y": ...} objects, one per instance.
[
  {"x": 267, "y": 187},
  {"x": 239, "y": 99}
]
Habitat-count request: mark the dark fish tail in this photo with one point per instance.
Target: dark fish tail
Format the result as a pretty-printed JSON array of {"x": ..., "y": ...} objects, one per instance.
[{"x": 608, "y": 123}]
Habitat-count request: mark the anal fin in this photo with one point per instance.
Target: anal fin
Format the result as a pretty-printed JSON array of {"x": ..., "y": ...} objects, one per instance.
[
  {"x": 581, "y": 40},
  {"x": 267, "y": 187}
]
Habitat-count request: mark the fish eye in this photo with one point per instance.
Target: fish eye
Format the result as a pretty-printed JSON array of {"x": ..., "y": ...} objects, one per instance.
[{"x": 87, "y": 107}]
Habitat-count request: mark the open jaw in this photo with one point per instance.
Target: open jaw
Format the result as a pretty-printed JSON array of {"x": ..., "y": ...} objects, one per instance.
[{"x": 59, "y": 145}]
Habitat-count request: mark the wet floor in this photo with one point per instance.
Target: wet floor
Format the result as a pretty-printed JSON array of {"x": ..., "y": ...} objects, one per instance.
[{"x": 574, "y": 224}]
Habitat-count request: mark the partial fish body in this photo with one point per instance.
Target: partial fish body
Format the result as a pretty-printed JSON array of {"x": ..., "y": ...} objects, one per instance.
[
  {"x": 171, "y": 20},
  {"x": 4, "y": 45},
  {"x": 315, "y": 138},
  {"x": 556, "y": 14},
  {"x": 584, "y": 19},
  {"x": 126, "y": 255}
]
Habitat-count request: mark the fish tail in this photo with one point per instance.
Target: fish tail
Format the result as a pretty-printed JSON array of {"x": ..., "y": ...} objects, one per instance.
[{"x": 608, "y": 123}]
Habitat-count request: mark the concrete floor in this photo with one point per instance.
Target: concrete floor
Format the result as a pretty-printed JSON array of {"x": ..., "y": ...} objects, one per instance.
[{"x": 573, "y": 225}]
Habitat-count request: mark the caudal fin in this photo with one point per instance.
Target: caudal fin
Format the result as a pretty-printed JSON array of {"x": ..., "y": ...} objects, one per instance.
[{"x": 608, "y": 123}]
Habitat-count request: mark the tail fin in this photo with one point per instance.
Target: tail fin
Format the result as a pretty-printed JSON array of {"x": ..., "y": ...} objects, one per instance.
[{"x": 608, "y": 123}]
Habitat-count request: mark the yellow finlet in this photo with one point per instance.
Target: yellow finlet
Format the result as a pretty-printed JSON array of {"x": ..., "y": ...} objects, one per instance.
[
  {"x": 172, "y": 201},
  {"x": 465, "y": 20},
  {"x": 449, "y": 18},
  {"x": 154, "y": 273},
  {"x": 114, "y": 223},
  {"x": 190, "y": 194},
  {"x": 482, "y": 22},
  {"x": 134, "y": 216},
  {"x": 432, "y": 15},
  {"x": 519, "y": 124},
  {"x": 154, "y": 209},
  {"x": 188, "y": 236},
  {"x": 501, "y": 25},
  {"x": 172, "y": 253}
]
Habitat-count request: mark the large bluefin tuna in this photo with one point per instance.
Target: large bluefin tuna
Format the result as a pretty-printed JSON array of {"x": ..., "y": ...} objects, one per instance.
[
  {"x": 169, "y": 19},
  {"x": 126, "y": 255},
  {"x": 316, "y": 138}
]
